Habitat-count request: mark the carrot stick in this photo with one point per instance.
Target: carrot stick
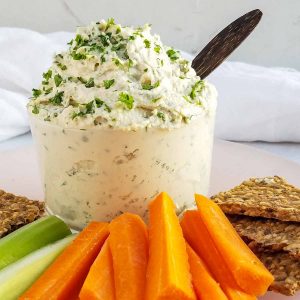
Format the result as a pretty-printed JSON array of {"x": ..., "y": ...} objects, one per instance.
[
  {"x": 64, "y": 278},
  {"x": 168, "y": 275},
  {"x": 99, "y": 284},
  {"x": 205, "y": 285},
  {"x": 128, "y": 243},
  {"x": 248, "y": 271},
  {"x": 199, "y": 239}
]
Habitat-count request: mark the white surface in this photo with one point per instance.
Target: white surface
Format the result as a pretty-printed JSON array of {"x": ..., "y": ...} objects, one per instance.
[
  {"x": 268, "y": 112},
  {"x": 232, "y": 163},
  {"x": 185, "y": 24}
]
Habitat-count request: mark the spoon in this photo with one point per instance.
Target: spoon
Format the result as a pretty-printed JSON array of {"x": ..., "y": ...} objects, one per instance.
[{"x": 225, "y": 42}]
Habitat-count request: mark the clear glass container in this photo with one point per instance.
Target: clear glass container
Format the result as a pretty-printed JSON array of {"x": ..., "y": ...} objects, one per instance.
[{"x": 98, "y": 173}]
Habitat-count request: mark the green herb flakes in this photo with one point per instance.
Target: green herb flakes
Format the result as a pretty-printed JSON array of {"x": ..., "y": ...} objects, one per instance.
[
  {"x": 156, "y": 99},
  {"x": 197, "y": 89},
  {"x": 173, "y": 55},
  {"x": 48, "y": 91},
  {"x": 90, "y": 83},
  {"x": 57, "y": 99},
  {"x": 57, "y": 79},
  {"x": 47, "y": 75},
  {"x": 147, "y": 43},
  {"x": 36, "y": 93},
  {"x": 78, "y": 56},
  {"x": 35, "y": 110},
  {"x": 161, "y": 115},
  {"x": 109, "y": 23},
  {"x": 116, "y": 61},
  {"x": 157, "y": 48},
  {"x": 108, "y": 83},
  {"x": 148, "y": 86},
  {"x": 127, "y": 100}
]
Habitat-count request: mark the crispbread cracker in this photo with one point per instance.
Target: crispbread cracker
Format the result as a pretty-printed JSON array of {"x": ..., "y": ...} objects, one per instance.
[
  {"x": 285, "y": 269},
  {"x": 16, "y": 211},
  {"x": 269, "y": 197},
  {"x": 268, "y": 234}
]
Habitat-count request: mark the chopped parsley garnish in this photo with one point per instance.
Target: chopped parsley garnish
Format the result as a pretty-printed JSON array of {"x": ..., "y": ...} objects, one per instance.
[
  {"x": 188, "y": 99},
  {"x": 131, "y": 38},
  {"x": 104, "y": 40},
  {"x": 61, "y": 66},
  {"x": 108, "y": 83},
  {"x": 90, "y": 83},
  {"x": 57, "y": 99},
  {"x": 97, "y": 48},
  {"x": 90, "y": 107},
  {"x": 103, "y": 59},
  {"x": 79, "y": 40},
  {"x": 148, "y": 86},
  {"x": 109, "y": 23},
  {"x": 85, "y": 109},
  {"x": 147, "y": 43},
  {"x": 155, "y": 99},
  {"x": 78, "y": 56},
  {"x": 197, "y": 88},
  {"x": 57, "y": 79},
  {"x": 116, "y": 61},
  {"x": 99, "y": 104},
  {"x": 129, "y": 63},
  {"x": 145, "y": 70},
  {"x": 107, "y": 108},
  {"x": 36, "y": 93},
  {"x": 118, "y": 47},
  {"x": 48, "y": 91},
  {"x": 161, "y": 116},
  {"x": 82, "y": 80},
  {"x": 173, "y": 55},
  {"x": 118, "y": 29},
  {"x": 157, "y": 48},
  {"x": 127, "y": 100},
  {"x": 35, "y": 110},
  {"x": 47, "y": 75}
]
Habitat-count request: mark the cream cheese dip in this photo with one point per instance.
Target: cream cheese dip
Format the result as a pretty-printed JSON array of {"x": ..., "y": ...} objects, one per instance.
[{"x": 118, "y": 118}]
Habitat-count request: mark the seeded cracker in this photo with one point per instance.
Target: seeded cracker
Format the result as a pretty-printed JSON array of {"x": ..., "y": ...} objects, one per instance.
[
  {"x": 17, "y": 211},
  {"x": 269, "y": 197},
  {"x": 268, "y": 235},
  {"x": 285, "y": 269}
]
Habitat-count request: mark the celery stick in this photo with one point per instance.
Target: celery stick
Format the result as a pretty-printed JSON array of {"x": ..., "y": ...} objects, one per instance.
[
  {"x": 30, "y": 238},
  {"x": 16, "y": 278}
]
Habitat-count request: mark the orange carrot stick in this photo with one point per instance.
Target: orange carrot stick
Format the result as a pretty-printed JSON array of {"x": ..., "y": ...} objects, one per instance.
[
  {"x": 205, "y": 285},
  {"x": 248, "y": 271},
  {"x": 128, "y": 243},
  {"x": 99, "y": 283},
  {"x": 168, "y": 275},
  {"x": 64, "y": 278},
  {"x": 199, "y": 239}
]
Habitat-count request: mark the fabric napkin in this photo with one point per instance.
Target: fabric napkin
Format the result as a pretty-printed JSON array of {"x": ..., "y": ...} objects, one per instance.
[{"x": 255, "y": 103}]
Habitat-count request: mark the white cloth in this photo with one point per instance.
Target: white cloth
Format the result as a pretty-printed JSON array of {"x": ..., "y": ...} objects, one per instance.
[{"x": 255, "y": 103}]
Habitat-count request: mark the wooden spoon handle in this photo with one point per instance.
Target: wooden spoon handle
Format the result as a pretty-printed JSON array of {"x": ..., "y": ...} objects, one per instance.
[{"x": 225, "y": 42}]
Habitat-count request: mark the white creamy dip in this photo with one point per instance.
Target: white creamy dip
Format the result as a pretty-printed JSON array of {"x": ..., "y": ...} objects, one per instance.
[
  {"x": 118, "y": 118},
  {"x": 120, "y": 77}
]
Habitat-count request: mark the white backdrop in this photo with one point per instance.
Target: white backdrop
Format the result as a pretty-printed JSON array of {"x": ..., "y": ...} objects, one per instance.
[{"x": 185, "y": 24}]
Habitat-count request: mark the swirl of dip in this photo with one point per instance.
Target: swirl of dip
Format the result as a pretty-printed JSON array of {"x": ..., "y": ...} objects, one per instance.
[{"x": 120, "y": 77}]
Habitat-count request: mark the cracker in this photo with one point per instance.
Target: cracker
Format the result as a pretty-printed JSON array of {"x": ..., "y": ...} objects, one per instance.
[
  {"x": 268, "y": 234},
  {"x": 17, "y": 211},
  {"x": 285, "y": 269},
  {"x": 269, "y": 197}
]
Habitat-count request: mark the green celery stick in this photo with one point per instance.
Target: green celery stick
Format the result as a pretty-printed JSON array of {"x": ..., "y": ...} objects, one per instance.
[
  {"x": 30, "y": 238},
  {"x": 16, "y": 278}
]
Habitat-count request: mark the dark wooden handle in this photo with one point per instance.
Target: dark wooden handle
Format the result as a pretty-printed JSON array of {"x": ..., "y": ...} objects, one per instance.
[{"x": 223, "y": 44}]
